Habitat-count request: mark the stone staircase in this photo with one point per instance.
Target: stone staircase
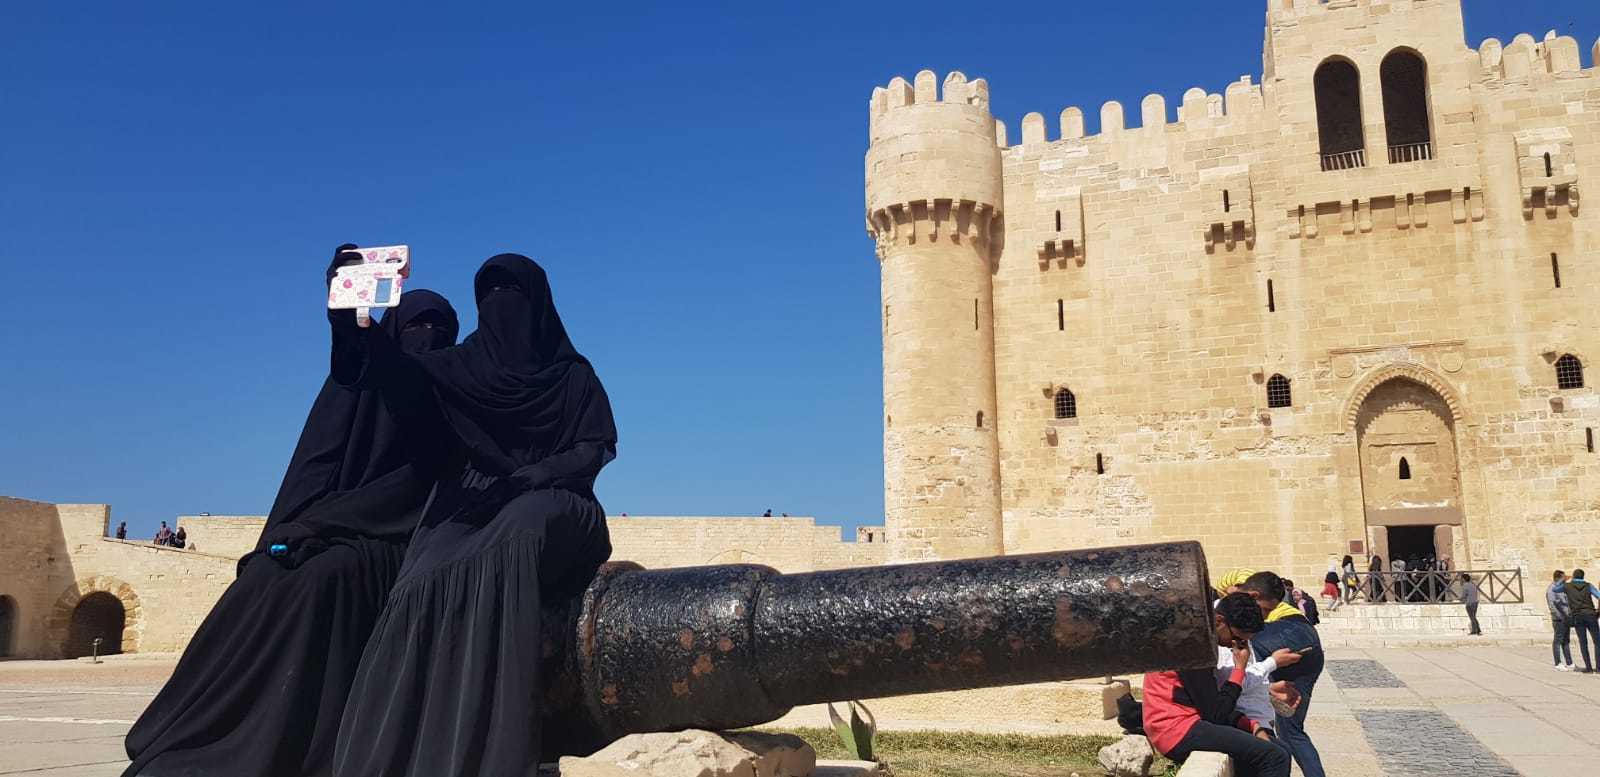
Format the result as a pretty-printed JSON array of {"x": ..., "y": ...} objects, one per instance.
[{"x": 1421, "y": 625}]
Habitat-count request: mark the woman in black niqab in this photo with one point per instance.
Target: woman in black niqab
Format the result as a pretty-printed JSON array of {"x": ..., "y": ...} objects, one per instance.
[
  {"x": 449, "y": 684},
  {"x": 260, "y": 690}
]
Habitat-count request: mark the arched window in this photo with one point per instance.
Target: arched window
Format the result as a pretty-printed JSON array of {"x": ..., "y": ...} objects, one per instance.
[
  {"x": 1066, "y": 404},
  {"x": 1339, "y": 130},
  {"x": 1569, "y": 372},
  {"x": 1405, "y": 469},
  {"x": 1278, "y": 392},
  {"x": 1404, "y": 75},
  {"x": 980, "y": 419}
]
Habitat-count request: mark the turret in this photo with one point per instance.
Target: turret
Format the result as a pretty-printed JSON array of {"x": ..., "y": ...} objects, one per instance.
[{"x": 933, "y": 206}]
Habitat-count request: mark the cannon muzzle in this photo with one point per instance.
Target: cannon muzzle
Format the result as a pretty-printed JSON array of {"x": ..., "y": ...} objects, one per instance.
[{"x": 739, "y": 645}]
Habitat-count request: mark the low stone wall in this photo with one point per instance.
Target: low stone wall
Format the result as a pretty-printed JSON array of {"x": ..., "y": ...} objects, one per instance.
[{"x": 1387, "y": 619}]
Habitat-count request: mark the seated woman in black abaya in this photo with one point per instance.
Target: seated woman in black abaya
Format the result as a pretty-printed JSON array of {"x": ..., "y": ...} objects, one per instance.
[
  {"x": 261, "y": 688},
  {"x": 449, "y": 684}
]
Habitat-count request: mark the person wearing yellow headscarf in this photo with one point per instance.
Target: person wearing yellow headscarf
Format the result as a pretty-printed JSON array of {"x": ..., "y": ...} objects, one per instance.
[{"x": 1232, "y": 579}]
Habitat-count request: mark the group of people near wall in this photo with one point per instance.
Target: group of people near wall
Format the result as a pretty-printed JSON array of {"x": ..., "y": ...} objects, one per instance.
[
  {"x": 388, "y": 620},
  {"x": 1252, "y": 705},
  {"x": 1571, "y": 600}
]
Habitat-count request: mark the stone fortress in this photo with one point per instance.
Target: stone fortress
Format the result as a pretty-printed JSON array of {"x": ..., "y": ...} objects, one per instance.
[{"x": 1343, "y": 310}]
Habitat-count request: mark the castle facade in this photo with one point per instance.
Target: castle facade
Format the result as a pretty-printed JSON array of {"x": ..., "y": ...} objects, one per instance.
[{"x": 1347, "y": 309}]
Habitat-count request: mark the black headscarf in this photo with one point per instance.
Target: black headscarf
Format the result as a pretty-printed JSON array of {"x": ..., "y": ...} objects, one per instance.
[
  {"x": 353, "y": 473},
  {"x": 517, "y": 394}
]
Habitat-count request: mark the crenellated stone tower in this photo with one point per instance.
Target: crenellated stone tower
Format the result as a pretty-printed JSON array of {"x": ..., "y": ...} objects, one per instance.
[
  {"x": 933, "y": 204},
  {"x": 1345, "y": 307}
]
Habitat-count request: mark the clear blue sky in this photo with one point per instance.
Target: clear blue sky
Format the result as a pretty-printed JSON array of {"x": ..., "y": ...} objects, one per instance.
[{"x": 689, "y": 174}]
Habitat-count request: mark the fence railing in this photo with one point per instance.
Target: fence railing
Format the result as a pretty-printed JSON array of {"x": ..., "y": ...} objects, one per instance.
[
  {"x": 1344, "y": 160},
  {"x": 1497, "y": 586},
  {"x": 1410, "y": 152}
]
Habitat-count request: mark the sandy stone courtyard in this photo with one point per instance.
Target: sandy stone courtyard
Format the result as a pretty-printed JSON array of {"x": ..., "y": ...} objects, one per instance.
[{"x": 1473, "y": 710}]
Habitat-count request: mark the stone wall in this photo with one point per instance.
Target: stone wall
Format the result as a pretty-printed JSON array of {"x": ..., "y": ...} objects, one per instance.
[
  {"x": 1164, "y": 274},
  {"x": 56, "y": 555}
]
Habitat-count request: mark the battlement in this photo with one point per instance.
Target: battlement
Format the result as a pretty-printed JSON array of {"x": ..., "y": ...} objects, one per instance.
[
  {"x": 903, "y": 107},
  {"x": 1199, "y": 109},
  {"x": 1529, "y": 60}
]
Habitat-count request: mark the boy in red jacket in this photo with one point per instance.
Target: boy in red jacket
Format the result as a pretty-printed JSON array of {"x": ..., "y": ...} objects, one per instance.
[{"x": 1185, "y": 712}]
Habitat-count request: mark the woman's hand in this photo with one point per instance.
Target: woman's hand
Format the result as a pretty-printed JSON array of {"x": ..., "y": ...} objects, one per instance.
[{"x": 343, "y": 256}]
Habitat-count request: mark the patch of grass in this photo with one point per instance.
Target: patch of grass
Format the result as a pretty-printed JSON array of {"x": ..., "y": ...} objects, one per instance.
[{"x": 960, "y": 754}]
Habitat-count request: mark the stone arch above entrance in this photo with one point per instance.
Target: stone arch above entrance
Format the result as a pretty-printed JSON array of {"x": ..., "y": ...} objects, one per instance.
[
  {"x": 1406, "y": 441},
  {"x": 59, "y": 623},
  {"x": 1412, "y": 372}
]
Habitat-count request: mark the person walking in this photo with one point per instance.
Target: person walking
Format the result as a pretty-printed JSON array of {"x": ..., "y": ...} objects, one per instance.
[
  {"x": 1347, "y": 568},
  {"x": 1287, "y": 627},
  {"x": 1555, "y": 597},
  {"x": 1330, "y": 589},
  {"x": 1469, "y": 597},
  {"x": 1580, "y": 602}
]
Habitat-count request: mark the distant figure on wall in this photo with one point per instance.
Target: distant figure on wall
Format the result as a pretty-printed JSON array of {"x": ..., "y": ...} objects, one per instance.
[
  {"x": 767, "y": 514},
  {"x": 261, "y": 688},
  {"x": 164, "y": 536},
  {"x": 180, "y": 539},
  {"x": 122, "y": 530}
]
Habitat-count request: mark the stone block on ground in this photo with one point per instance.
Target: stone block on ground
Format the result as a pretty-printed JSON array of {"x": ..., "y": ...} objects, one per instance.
[
  {"x": 695, "y": 753},
  {"x": 1206, "y": 765},
  {"x": 851, "y": 769},
  {"x": 1130, "y": 756}
]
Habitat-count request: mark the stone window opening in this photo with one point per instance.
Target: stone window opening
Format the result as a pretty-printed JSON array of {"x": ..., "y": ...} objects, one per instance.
[
  {"x": 1278, "y": 394},
  {"x": 974, "y": 314},
  {"x": 1227, "y": 205},
  {"x": 1549, "y": 166},
  {"x": 1555, "y": 269},
  {"x": 1058, "y": 214},
  {"x": 1404, "y": 76},
  {"x": 980, "y": 419},
  {"x": 1272, "y": 300},
  {"x": 1066, "y": 404},
  {"x": 1588, "y": 435},
  {"x": 1061, "y": 315},
  {"x": 1569, "y": 372},
  {"x": 1340, "y": 134},
  {"x": 1099, "y": 464},
  {"x": 1405, "y": 469}
]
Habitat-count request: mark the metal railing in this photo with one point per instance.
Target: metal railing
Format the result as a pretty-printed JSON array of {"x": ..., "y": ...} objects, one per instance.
[
  {"x": 1497, "y": 586},
  {"x": 1344, "y": 160},
  {"x": 1411, "y": 152}
]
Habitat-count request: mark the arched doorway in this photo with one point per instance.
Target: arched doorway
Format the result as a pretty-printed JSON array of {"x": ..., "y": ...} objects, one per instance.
[
  {"x": 97, "y": 615},
  {"x": 8, "y": 625},
  {"x": 1410, "y": 475}
]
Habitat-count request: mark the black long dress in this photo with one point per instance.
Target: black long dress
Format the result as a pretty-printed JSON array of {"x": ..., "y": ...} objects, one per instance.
[
  {"x": 261, "y": 688},
  {"x": 449, "y": 684}
]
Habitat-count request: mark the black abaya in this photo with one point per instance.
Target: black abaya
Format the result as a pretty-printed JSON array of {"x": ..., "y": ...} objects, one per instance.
[
  {"x": 260, "y": 690},
  {"x": 449, "y": 684}
]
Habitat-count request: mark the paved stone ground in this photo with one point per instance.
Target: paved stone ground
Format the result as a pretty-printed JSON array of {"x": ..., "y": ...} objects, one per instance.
[{"x": 1471, "y": 709}]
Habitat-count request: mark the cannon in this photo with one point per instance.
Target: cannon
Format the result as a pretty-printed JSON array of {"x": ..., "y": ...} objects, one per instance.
[{"x": 724, "y": 647}]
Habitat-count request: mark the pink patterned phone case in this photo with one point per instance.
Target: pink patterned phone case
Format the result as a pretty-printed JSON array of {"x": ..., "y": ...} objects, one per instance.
[{"x": 375, "y": 283}]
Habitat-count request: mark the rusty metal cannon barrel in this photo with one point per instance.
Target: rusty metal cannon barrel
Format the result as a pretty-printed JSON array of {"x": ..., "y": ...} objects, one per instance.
[{"x": 731, "y": 646}]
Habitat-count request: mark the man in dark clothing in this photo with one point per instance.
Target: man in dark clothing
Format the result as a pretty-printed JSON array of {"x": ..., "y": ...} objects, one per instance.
[
  {"x": 1580, "y": 602},
  {"x": 164, "y": 536},
  {"x": 1287, "y": 627},
  {"x": 122, "y": 530},
  {"x": 1186, "y": 712},
  {"x": 1469, "y": 597}
]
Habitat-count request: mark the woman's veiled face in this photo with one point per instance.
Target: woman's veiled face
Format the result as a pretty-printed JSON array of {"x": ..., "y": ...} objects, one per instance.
[{"x": 427, "y": 331}]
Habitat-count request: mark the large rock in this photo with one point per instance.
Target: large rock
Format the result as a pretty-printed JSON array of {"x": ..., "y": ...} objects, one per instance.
[
  {"x": 696, "y": 753},
  {"x": 1129, "y": 757}
]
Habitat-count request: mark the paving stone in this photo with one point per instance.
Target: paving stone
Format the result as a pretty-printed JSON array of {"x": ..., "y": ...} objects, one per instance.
[
  {"x": 1423, "y": 743},
  {"x": 1362, "y": 673}
]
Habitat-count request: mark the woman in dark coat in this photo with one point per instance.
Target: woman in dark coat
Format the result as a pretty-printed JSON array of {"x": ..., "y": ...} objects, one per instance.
[
  {"x": 261, "y": 688},
  {"x": 449, "y": 685}
]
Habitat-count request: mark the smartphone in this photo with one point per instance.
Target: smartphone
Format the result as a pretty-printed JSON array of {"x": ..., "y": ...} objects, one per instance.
[{"x": 1306, "y": 649}]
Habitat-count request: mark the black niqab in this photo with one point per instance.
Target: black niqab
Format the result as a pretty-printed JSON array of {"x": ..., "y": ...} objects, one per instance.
[
  {"x": 516, "y": 391},
  {"x": 352, "y": 472}
]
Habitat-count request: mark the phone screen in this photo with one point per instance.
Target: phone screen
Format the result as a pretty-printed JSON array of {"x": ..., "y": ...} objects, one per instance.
[{"x": 385, "y": 288}]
